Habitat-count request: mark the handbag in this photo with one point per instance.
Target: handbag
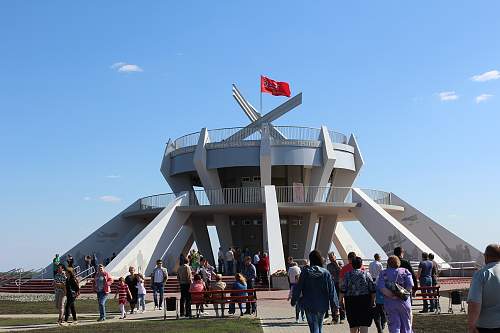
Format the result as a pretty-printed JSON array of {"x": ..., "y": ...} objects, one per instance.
[{"x": 397, "y": 289}]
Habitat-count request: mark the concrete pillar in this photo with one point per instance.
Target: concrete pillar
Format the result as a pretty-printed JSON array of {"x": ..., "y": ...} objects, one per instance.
[
  {"x": 344, "y": 243},
  {"x": 272, "y": 230},
  {"x": 183, "y": 240},
  {"x": 265, "y": 156},
  {"x": 209, "y": 177},
  {"x": 223, "y": 226},
  {"x": 320, "y": 176},
  {"x": 202, "y": 239},
  {"x": 326, "y": 230},
  {"x": 309, "y": 225},
  {"x": 345, "y": 178}
]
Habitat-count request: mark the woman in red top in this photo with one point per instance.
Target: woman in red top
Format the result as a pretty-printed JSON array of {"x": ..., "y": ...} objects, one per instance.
[{"x": 263, "y": 268}]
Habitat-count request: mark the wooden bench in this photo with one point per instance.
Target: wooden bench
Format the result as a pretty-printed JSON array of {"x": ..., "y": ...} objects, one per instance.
[
  {"x": 427, "y": 294},
  {"x": 223, "y": 297}
]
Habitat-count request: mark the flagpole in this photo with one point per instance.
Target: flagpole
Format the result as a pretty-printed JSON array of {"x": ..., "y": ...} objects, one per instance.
[{"x": 260, "y": 88}]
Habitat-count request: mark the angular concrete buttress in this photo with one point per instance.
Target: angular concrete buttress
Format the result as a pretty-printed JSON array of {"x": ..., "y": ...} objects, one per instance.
[
  {"x": 223, "y": 226},
  {"x": 265, "y": 156},
  {"x": 202, "y": 239},
  {"x": 320, "y": 176},
  {"x": 326, "y": 230},
  {"x": 385, "y": 229},
  {"x": 143, "y": 250},
  {"x": 344, "y": 243},
  {"x": 209, "y": 177},
  {"x": 272, "y": 230},
  {"x": 181, "y": 244}
]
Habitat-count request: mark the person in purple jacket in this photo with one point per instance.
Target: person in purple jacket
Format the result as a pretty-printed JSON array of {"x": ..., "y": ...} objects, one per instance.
[{"x": 398, "y": 310}]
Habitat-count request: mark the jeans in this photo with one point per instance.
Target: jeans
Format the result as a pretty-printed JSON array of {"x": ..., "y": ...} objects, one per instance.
[
  {"x": 69, "y": 307},
  {"x": 315, "y": 321},
  {"x": 229, "y": 268},
  {"x": 427, "y": 282},
  {"x": 158, "y": 288},
  {"x": 140, "y": 301},
  {"x": 253, "y": 306},
  {"x": 185, "y": 303},
  {"x": 379, "y": 317},
  {"x": 221, "y": 266},
  {"x": 101, "y": 299}
]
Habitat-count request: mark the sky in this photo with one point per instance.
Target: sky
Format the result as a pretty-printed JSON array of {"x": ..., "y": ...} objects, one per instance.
[{"x": 91, "y": 91}]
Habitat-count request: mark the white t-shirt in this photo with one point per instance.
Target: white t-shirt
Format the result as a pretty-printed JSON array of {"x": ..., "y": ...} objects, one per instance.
[
  {"x": 229, "y": 255},
  {"x": 293, "y": 273},
  {"x": 375, "y": 268},
  {"x": 141, "y": 290},
  {"x": 256, "y": 259}
]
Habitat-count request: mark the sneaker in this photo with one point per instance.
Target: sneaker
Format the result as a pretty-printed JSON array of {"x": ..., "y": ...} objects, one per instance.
[
  {"x": 75, "y": 322},
  {"x": 155, "y": 307},
  {"x": 297, "y": 321},
  {"x": 159, "y": 308}
]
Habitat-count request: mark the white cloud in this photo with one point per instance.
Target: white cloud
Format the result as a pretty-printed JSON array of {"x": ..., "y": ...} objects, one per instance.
[
  {"x": 86, "y": 198},
  {"x": 483, "y": 98},
  {"x": 113, "y": 176},
  {"x": 123, "y": 67},
  {"x": 110, "y": 198},
  {"x": 486, "y": 76},
  {"x": 447, "y": 96}
]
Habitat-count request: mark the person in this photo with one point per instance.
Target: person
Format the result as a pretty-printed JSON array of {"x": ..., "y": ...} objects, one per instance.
[
  {"x": 141, "y": 292},
  {"x": 72, "y": 292},
  {"x": 435, "y": 270},
  {"x": 250, "y": 273},
  {"x": 263, "y": 268},
  {"x": 206, "y": 271},
  {"x": 378, "y": 312},
  {"x": 398, "y": 310},
  {"x": 195, "y": 260},
  {"x": 288, "y": 264},
  {"x": 102, "y": 286},
  {"x": 347, "y": 268},
  {"x": 315, "y": 291},
  {"x": 424, "y": 276},
  {"x": 229, "y": 262},
  {"x": 399, "y": 252},
  {"x": 220, "y": 261},
  {"x": 218, "y": 285},
  {"x": 293, "y": 277},
  {"x": 131, "y": 281},
  {"x": 358, "y": 293},
  {"x": 197, "y": 286},
  {"x": 334, "y": 268},
  {"x": 60, "y": 291},
  {"x": 240, "y": 283},
  {"x": 69, "y": 261},
  {"x": 55, "y": 264},
  {"x": 113, "y": 256},
  {"x": 375, "y": 267},
  {"x": 95, "y": 262},
  {"x": 123, "y": 294},
  {"x": 88, "y": 262},
  {"x": 184, "y": 278},
  {"x": 484, "y": 294},
  {"x": 256, "y": 258},
  {"x": 158, "y": 278},
  {"x": 237, "y": 259}
]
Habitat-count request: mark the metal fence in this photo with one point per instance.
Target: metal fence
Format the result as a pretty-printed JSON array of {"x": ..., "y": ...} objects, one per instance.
[
  {"x": 156, "y": 201},
  {"x": 380, "y": 197},
  {"x": 226, "y": 196},
  {"x": 187, "y": 140},
  {"x": 309, "y": 194},
  {"x": 337, "y": 137}
]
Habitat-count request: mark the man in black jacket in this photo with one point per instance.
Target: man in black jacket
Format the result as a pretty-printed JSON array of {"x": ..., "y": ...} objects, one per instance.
[{"x": 399, "y": 252}]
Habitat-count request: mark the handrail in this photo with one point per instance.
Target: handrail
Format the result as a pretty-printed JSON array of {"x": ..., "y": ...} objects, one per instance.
[
  {"x": 86, "y": 273},
  {"x": 226, "y": 196},
  {"x": 224, "y": 136},
  {"x": 156, "y": 201},
  {"x": 310, "y": 194}
]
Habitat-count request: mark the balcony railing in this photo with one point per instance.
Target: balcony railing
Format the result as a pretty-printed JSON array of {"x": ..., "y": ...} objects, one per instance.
[
  {"x": 310, "y": 194},
  {"x": 226, "y": 196},
  {"x": 223, "y": 137},
  {"x": 156, "y": 201},
  {"x": 380, "y": 197}
]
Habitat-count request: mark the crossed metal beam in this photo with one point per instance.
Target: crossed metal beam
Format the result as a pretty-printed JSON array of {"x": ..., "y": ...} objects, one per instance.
[{"x": 257, "y": 120}]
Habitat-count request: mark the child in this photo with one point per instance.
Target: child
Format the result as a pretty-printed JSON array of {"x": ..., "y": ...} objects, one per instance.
[
  {"x": 122, "y": 292},
  {"x": 141, "y": 292},
  {"x": 293, "y": 275},
  {"x": 197, "y": 285}
]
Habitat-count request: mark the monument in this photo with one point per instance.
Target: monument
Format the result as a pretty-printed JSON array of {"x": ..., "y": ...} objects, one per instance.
[{"x": 278, "y": 189}]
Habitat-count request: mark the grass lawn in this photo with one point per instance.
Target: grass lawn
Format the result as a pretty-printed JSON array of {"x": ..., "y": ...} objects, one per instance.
[
  {"x": 456, "y": 323},
  {"x": 205, "y": 325},
  {"x": 37, "y": 321},
  {"x": 82, "y": 306}
]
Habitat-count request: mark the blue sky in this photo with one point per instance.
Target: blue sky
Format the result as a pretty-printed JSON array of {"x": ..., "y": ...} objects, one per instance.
[{"x": 80, "y": 139}]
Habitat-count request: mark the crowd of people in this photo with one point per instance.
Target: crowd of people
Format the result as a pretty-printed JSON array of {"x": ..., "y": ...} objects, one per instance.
[{"x": 362, "y": 296}]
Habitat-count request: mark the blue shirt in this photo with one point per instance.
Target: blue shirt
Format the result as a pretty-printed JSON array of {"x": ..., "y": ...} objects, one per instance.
[
  {"x": 315, "y": 290},
  {"x": 485, "y": 290},
  {"x": 425, "y": 269}
]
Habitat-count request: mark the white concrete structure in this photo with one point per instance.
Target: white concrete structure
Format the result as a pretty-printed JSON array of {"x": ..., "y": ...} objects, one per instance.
[{"x": 267, "y": 188}]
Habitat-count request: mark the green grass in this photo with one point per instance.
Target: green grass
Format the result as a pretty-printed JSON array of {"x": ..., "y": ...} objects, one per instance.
[
  {"x": 430, "y": 323},
  {"x": 38, "y": 321},
  {"x": 205, "y": 325},
  {"x": 82, "y": 306}
]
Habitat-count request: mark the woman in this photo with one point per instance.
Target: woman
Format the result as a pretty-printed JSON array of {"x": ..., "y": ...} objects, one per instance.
[
  {"x": 263, "y": 268},
  {"x": 102, "y": 286},
  {"x": 197, "y": 287},
  {"x": 72, "y": 292},
  {"x": 131, "y": 281},
  {"x": 358, "y": 292},
  {"x": 218, "y": 298},
  {"x": 315, "y": 292},
  {"x": 397, "y": 309},
  {"x": 240, "y": 283}
]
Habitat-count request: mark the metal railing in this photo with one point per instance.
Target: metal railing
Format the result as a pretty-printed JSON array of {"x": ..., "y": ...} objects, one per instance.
[
  {"x": 226, "y": 196},
  {"x": 224, "y": 137},
  {"x": 380, "y": 197},
  {"x": 309, "y": 194},
  {"x": 156, "y": 201},
  {"x": 89, "y": 272}
]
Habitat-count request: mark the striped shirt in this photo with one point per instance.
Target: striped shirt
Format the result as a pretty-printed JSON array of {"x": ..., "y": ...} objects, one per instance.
[{"x": 122, "y": 292}]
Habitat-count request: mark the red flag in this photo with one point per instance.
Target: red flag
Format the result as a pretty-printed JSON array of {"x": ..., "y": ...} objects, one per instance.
[{"x": 274, "y": 87}]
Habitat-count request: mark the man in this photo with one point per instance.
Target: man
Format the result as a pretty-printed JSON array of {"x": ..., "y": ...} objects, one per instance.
[
  {"x": 131, "y": 281},
  {"x": 424, "y": 276},
  {"x": 375, "y": 267},
  {"x": 250, "y": 273},
  {"x": 230, "y": 261},
  {"x": 55, "y": 264},
  {"x": 59, "y": 291},
  {"x": 158, "y": 278},
  {"x": 484, "y": 294},
  {"x": 207, "y": 272},
  {"x": 316, "y": 292},
  {"x": 435, "y": 270},
  {"x": 220, "y": 260},
  {"x": 185, "y": 278},
  {"x": 334, "y": 268},
  {"x": 399, "y": 252}
]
